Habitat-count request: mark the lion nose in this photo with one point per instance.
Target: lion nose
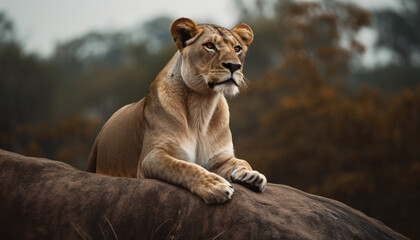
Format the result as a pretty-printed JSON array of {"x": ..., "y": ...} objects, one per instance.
[{"x": 231, "y": 66}]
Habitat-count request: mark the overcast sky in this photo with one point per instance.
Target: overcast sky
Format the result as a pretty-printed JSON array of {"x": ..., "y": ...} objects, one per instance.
[{"x": 40, "y": 24}]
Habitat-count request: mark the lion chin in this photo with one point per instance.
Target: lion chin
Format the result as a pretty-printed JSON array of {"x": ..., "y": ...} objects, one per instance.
[
  {"x": 179, "y": 133},
  {"x": 229, "y": 87}
]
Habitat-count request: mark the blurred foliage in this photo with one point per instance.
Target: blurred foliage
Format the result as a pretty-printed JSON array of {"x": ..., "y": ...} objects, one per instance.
[
  {"x": 300, "y": 123},
  {"x": 304, "y": 128},
  {"x": 400, "y": 31},
  {"x": 68, "y": 140},
  {"x": 26, "y": 82}
]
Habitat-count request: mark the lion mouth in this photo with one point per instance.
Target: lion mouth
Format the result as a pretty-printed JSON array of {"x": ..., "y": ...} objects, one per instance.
[{"x": 229, "y": 81}]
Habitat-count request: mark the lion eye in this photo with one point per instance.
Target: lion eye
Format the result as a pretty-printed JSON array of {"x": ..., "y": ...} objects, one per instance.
[
  {"x": 209, "y": 46},
  {"x": 237, "y": 49}
]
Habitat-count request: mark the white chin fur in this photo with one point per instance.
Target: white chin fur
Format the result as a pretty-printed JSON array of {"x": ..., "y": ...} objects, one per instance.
[{"x": 227, "y": 89}]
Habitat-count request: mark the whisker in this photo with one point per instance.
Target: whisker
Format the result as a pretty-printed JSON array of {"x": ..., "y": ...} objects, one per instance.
[
  {"x": 218, "y": 71},
  {"x": 200, "y": 75},
  {"x": 245, "y": 84}
]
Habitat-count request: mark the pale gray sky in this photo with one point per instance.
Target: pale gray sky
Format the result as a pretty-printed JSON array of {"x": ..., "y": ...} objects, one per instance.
[{"x": 40, "y": 24}]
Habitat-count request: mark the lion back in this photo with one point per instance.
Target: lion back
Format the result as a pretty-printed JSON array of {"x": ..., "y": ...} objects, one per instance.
[{"x": 117, "y": 147}]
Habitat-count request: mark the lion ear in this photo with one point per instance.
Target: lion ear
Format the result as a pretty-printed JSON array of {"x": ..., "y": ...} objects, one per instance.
[
  {"x": 244, "y": 32},
  {"x": 182, "y": 30}
]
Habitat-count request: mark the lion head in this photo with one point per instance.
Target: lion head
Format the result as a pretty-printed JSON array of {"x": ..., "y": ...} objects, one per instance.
[{"x": 212, "y": 56}]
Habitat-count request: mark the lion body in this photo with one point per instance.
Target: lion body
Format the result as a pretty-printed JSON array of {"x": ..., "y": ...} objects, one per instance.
[{"x": 180, "y": 132}]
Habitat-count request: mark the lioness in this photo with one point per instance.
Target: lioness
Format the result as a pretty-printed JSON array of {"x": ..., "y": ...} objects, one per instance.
[{"x": 180, "y": 132}]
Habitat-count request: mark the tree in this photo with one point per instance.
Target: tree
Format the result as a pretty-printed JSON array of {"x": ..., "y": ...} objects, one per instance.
[
  {"x": 302, "y": 127},
  {"x": 400, "y": 32},
  {"x": 26, "y": 81}
]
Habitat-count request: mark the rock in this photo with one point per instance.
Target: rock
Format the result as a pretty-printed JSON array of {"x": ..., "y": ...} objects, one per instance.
[{"x": 45, "y": 199}]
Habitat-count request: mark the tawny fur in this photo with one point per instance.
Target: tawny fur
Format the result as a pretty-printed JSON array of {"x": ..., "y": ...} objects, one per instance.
[{"x": 180, "y": 132}]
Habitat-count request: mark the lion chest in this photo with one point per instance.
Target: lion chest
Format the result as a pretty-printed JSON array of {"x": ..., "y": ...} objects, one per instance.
[
  {"x": 189, "y": 150},
  {"x": 206, "y": 129},
  {"x": 197, "y": 149}
]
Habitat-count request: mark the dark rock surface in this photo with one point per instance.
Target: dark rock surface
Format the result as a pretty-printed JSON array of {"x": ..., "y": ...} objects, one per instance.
[{"x": 44, "y": 199}]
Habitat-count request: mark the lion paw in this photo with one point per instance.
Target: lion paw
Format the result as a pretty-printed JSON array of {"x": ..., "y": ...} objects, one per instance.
[
  {"x": 250, "y": 179},
  {"x": 213, "y": 188}
]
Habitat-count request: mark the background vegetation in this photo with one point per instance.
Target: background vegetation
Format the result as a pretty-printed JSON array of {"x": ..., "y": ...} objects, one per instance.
[{"x": 314, "y": 118}]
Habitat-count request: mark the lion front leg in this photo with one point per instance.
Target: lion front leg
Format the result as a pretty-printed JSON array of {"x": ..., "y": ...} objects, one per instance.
[
  {"x": 210, "y": 187},
  {"x": 239, "y": 171}
]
